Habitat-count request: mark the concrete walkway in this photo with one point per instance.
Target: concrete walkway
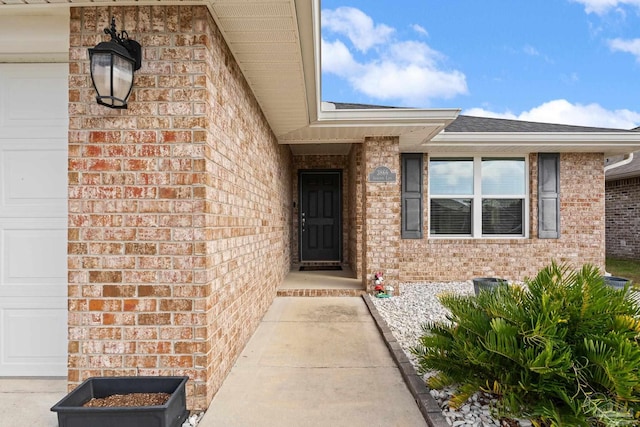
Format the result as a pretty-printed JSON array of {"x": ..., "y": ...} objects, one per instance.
[
  {"x": 311, "y": 362},
  {"x": 315, "y": 362},
  {"x": 27, "y": 402}
]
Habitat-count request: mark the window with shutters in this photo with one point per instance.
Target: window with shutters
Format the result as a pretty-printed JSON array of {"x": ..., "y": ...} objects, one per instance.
[{"x": 478, "y": 197}]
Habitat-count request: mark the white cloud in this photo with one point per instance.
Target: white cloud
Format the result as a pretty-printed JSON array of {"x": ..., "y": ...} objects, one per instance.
[
  {"x": 420, "y": 29},
  {"x": 411, "y": 83},
  {"x": 563, "y": 112},
  {"x": 357, "y": 26},
  {"x": 530, "y": 50},
  {"x": 410, "y": 72},
  {"x": 601, "y": 7},
  {"x": 337, "y": 59},
  {"x": 631, "y": 46}
]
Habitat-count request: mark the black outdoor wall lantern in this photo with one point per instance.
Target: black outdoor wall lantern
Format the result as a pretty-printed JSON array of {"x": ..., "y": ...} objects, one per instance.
[{"x": 112, "y": 67}]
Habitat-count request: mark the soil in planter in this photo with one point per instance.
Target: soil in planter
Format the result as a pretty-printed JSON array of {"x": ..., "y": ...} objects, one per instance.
[{"x": 128, "y": 400}]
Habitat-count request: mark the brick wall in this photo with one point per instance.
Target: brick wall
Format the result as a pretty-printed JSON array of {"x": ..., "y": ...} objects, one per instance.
[
  {"x": 382, "y": 243},
  {"x": 623, "y": 218},
  {"x": 179, "y": 207},
  {"x": 581, "y": 241}
]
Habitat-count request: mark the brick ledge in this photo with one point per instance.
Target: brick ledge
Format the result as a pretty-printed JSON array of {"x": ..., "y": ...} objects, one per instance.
[{"x": 320, "y": 292}]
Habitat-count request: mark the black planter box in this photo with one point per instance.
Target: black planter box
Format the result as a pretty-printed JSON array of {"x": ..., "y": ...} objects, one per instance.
[{"x": 71, "y": 413}]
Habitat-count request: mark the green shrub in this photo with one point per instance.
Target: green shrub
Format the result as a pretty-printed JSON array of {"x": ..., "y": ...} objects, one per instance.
[{"x": 564, "y": 350}]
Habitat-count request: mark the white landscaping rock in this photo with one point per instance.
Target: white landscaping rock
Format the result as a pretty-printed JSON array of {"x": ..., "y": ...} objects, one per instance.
[
  {"x": 193, "y": 420},
  {"x": 406, "y": 314}
]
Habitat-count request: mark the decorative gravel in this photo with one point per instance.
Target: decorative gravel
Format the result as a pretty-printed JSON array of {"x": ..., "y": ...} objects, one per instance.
[
  {"x": 193, "y": 420},
  {"x": 405, "y": 315},
  {"x": 128, "y": 400}
]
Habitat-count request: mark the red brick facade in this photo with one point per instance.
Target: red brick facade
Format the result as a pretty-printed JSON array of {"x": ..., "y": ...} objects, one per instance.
[
  {"x": 623, "y": 218},
  {"x": 179, "y": 207}
]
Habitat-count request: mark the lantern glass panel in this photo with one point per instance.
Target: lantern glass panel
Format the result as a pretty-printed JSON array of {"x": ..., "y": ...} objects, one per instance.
[
  {"x": 113, "y": 78},
  {"x": 101, "y": 72},
  {"x": 122, "y": 78}
]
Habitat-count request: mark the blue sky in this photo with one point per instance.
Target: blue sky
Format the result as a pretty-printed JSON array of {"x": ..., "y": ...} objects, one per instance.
[{"x": 560, "y": 61}]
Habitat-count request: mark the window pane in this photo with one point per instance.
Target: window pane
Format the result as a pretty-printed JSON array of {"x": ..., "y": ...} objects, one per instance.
[
  {"x": 502, "y": 216},
  {"x": 450, "y": 216},
  {"x": 502, "y": 177},
  {"x": 451, "y": 176}
]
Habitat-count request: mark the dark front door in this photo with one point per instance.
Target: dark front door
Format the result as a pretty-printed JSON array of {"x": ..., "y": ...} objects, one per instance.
[{"x": 320, "y": 216}]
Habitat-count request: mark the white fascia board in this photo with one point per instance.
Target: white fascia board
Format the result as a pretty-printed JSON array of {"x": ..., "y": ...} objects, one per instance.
[
  {"x": 542, "y": 137},
  {"x": 390, "y": 116},
  {"x": 311, "y": 45},
  {"x": 598, "y": 142}
]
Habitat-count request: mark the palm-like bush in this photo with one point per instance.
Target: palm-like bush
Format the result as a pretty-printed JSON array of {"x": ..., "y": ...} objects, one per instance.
[{"x": 564, "y": 350}]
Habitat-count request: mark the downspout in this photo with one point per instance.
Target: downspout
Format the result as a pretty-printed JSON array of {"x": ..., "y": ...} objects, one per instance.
[{"x": 627, "y": 159}]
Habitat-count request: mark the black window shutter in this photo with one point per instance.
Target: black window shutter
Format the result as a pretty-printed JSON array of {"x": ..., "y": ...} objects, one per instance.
[
  {"x": 412, "y": 196},
  {"x": 549, "y": 195}
]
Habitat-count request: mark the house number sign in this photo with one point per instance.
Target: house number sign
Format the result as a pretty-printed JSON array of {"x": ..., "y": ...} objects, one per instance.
[{"x": 382, "y": 174}]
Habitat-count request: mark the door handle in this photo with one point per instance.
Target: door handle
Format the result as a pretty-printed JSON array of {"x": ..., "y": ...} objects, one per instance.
[{"x": 303, "y": 221}]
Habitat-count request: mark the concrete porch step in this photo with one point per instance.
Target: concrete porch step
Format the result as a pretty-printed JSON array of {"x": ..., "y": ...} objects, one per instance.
[{"x": 321, "y": 283}]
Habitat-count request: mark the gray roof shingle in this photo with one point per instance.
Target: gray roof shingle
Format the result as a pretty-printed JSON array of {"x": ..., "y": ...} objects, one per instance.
[
  {"x": 352, "y": 106},
  {"x": 485, "y": 124}
]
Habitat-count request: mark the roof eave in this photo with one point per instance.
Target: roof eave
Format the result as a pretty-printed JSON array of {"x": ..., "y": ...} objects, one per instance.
[
  {"x": 627, "y": 175},
  {"x": 610, "y": 143},
  {"x": 397, "y": 115},
  {"x": 353, "y": 126}
]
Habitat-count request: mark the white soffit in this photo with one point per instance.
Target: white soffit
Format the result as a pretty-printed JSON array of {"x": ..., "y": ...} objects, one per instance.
[
  {"x": 320, "y": 149},
  {"x": 265, "y": 38},
  {"x": 412, "y": 126}
]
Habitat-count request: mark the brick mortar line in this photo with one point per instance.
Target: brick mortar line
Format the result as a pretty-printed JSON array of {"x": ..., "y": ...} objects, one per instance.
[{"x": 426, "y": 403}]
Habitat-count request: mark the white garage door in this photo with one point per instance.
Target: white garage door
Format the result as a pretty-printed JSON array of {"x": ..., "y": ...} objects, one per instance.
[{"x": 33, "y": 219}]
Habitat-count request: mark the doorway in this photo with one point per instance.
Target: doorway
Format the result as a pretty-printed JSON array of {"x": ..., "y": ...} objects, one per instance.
[{"x": 320, "y": 225}]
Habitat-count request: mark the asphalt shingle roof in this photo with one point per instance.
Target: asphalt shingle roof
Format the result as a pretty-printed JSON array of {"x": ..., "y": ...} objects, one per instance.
[
  {"x": 352, "y": 106},
  {"x": 485, "y": 124}
]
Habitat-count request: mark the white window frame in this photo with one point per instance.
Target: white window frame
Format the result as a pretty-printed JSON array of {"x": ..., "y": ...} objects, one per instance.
[{"x": 476, "y": 205}]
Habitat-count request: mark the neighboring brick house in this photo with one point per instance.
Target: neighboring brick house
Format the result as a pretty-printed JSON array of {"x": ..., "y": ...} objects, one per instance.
[
  {"x": 622, "y": 191},
  {"x": 151, "y": 241}
]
